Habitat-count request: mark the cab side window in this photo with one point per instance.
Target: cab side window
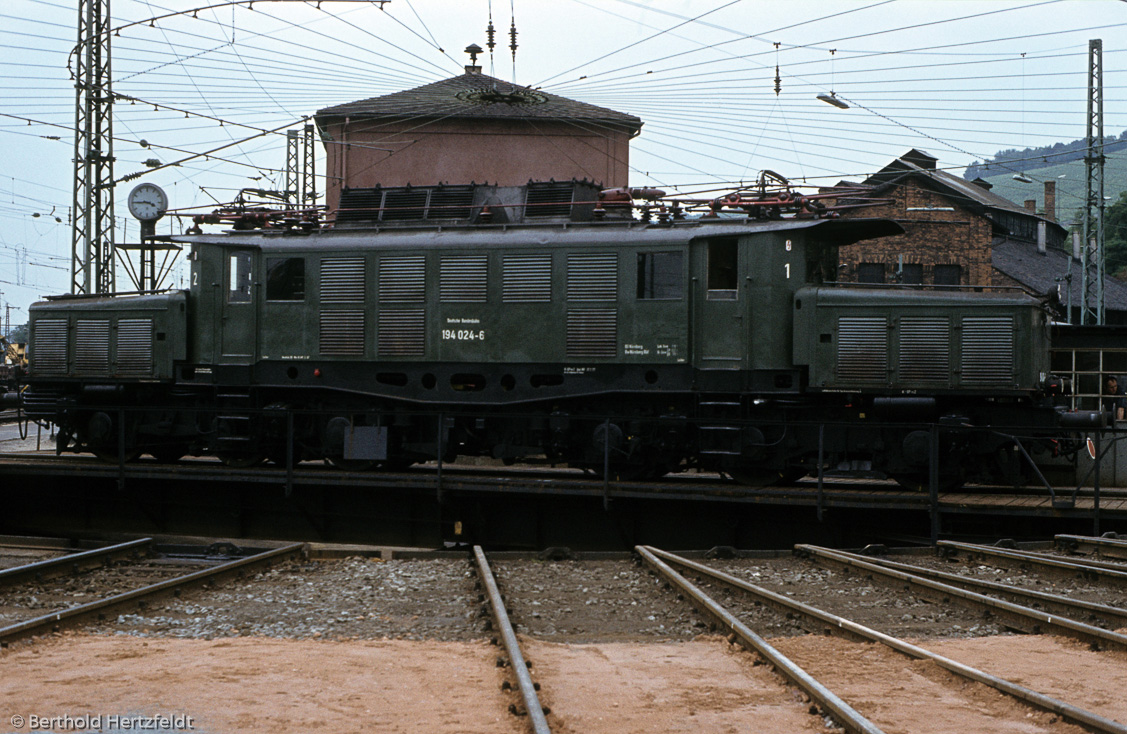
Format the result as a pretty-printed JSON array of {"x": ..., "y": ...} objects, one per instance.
[
  {"x": 660, "y": 276},
  {"x": 285, "y": 279},
  {"x": 723, "y": 268},
  {"x": 239, "y": 277}
]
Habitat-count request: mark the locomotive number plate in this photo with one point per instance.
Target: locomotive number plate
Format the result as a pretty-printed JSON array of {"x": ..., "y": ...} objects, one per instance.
[{"x": 466, "y": 335}]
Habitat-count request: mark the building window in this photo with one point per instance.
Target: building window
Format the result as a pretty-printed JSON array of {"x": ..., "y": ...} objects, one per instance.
[
  {"x": 948, "y": 274},
  {"x": 285, "y": 279},
  {"x": 660, "y": 276},
  {"x": 870, "y": 273},
  {"x": 912, "y": 274}
]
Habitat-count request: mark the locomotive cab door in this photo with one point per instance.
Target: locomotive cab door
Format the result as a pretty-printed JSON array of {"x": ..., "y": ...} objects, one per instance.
[
  {"x": 719, "y": 332},
  {"x": 239, "y": 312}
]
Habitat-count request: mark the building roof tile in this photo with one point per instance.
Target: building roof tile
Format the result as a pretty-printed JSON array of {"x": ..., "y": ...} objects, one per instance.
[{"x": 476, "y": 95}]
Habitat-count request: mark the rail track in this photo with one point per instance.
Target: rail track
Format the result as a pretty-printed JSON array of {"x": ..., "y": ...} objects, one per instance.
[
  {"x": 817, "y": 624},
  {"x": 149, "y": 571},
  {"x": 861, "y": 716}
]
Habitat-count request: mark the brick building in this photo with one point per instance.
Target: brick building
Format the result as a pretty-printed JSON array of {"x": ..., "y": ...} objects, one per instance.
[
  {"x": 951, "y": 228},
  {"x": 472, "y": 127},
  {"x": 959, "y": 233}
]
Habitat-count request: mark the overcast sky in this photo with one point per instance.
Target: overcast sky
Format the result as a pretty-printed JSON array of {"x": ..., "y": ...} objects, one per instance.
[{"x": 957, "y": 78}]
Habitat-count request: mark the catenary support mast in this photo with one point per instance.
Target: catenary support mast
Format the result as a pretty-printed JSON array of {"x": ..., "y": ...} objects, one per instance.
[
  {"x": 1092, "y": 307},
  {"x": 92, "y": 246}
]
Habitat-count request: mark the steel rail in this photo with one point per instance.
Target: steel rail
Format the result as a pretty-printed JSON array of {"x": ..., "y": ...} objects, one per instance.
[
  {"x": 1062, "y": 604},
  {"x": 1109, "y": 572},
  {"x": 1112, "y": 547},
  {"x": 71, "y": 564},
  {"x": 33, "y": 542},
  {"x": 1066, "y": 711},
  {"x": 1022, "y": 617},
  {"x": 512, "y": 646},
  {"x": 829, "y": 701},
  {"x": 54, "y": 620}
]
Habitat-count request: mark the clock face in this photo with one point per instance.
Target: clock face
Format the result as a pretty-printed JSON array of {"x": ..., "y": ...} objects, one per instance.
[{"x": 148, "y": 202}]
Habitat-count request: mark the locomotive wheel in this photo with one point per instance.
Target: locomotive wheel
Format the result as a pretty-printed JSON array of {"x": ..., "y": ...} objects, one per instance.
[
  {"x": 752, "y": 476},
  {"x": 241, "y": 461},
  {"x": 921, "y": 482},
  {"x": 169, "y": 454},
  {"x": 349, "y": 464},
  {"x": 109, "y": 455}
]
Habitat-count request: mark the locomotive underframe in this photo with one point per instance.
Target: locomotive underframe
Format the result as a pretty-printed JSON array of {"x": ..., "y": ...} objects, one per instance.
[{"x": 756, "y": 437}]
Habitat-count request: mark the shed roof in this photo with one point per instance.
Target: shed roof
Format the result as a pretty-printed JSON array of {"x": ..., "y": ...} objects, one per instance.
[
  {"x": 476, "y": 95},
  {"x": 1040, "y": 272},
  {"x": 909, "y": 165}
]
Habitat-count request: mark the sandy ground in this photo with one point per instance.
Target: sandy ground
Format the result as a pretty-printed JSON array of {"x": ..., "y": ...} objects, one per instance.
[
  {"x": 247, "y": 684},
  {"x": 260, "y": 684}
]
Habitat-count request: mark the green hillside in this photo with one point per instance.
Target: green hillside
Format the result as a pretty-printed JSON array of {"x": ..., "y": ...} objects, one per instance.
[{"x": 1070, "y": 178}]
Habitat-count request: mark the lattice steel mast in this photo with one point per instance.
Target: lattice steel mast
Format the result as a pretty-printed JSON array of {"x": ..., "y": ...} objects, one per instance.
[
  {"x": 1092, "y": 307},
  {"x": 92, "y": 246}
]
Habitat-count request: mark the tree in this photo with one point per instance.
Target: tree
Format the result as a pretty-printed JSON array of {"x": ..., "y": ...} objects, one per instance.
[
  {"x": 1115, "y": 238},
  {"x": 18, "y": 335}
]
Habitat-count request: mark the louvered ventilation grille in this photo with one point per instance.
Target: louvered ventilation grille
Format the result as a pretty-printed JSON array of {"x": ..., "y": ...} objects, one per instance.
[
  {"x": 463, "y": 278},
  {"x": 403, "y": 279},
  {"x": 135, "y": 346},
  {"x": 526, "y": 279},
  {"x": 988, "y": 350},
  {"x": 342, "y": 333},
  {"x": 401, "y": 332},
  {"x": 404, "y": 204},
  {"x": 925, "y": 349},
  {"x": 49, "y": 347},
  {"x": 451, "y": 202},
  {"x": 549, "y": 200},
  {"x": 592, "y": 333},
  {"x": 342, "y": 280},
  {"x": 359, "y": 205},
  {"x": 592, "y": 277},
  {"x": 92, "y": 346},
  {"x": 862, "y": 349}
]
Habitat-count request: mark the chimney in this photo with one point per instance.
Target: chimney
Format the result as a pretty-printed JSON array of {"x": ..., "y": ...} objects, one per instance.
[
  {"x": 1041, "y": 242},
  {"x": 1051, "y": 200},
  {"x": 1031, "y": 205},
  {"x": 473, "y": 50}
]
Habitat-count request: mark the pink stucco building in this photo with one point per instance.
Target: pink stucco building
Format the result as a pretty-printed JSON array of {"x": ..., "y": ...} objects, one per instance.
[{"x": 472, "y": 127}]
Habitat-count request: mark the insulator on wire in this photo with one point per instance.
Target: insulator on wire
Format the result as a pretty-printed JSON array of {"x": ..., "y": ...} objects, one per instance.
[
  {"x": 513, "y": 38},
  {"x": 778, "y": 81},
  {"x": 490, "y": 35}
]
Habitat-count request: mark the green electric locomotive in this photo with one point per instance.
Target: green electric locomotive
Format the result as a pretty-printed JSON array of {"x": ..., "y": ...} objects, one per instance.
[{"x": 503, "y": 322}]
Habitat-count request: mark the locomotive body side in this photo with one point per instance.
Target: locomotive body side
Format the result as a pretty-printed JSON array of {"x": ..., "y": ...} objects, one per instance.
[{"x": 629, "y": 347}]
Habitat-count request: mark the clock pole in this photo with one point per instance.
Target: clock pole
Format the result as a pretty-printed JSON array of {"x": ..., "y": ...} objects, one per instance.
[{"x": 148, "y": 203}]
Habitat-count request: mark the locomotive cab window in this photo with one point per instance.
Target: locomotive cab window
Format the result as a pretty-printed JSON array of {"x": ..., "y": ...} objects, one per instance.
[
  {"x": 285, "y": 279},
  {"x": 239, "y": 277},
  {"x": 723, "y": 260},
  {"x": 660, "y": 276}
]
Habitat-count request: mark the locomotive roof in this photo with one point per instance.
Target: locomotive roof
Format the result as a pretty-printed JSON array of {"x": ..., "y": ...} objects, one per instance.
[{"x": 837, "y": 231}]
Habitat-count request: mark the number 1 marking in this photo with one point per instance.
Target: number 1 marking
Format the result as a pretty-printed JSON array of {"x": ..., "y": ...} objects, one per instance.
[{"x": 787, "y": 266}]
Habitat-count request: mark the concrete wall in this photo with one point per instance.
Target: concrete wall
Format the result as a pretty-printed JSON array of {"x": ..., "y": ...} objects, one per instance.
[{"x": 362, "y": 153}]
